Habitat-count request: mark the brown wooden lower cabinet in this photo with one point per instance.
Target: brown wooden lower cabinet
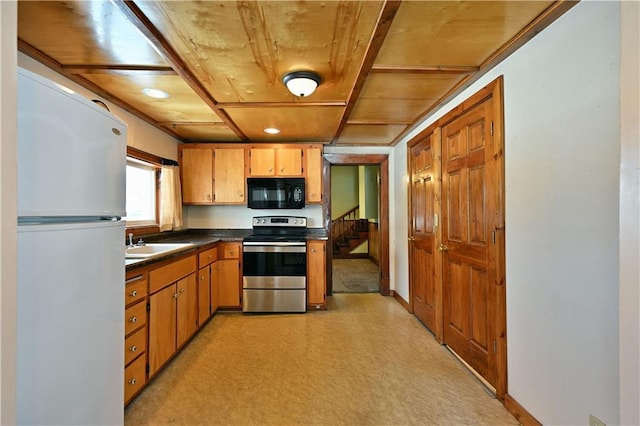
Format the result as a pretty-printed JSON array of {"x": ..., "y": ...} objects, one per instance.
[
  {"x": 135, "y": 330},
  {"x": 316, "y": 274},
  {"x": 228, "y": 275},
  {"x": 173, "y": 309}
]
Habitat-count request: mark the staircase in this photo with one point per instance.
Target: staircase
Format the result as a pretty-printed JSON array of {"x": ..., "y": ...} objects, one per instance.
[{"x": 349, "y": 231}]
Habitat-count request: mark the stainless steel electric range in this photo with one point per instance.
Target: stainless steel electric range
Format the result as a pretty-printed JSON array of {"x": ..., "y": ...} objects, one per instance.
[{"x": 274, "y": 260}]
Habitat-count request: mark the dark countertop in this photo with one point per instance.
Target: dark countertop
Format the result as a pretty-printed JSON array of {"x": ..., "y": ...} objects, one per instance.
[{"x": 200, "y": 238}]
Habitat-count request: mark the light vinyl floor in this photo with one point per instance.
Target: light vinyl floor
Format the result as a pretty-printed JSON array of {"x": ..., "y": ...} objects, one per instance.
[{"x": 364, "y": 361}]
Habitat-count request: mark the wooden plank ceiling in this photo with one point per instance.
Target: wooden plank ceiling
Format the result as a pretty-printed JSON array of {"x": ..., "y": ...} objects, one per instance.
[{"x": 384, "y": 65}]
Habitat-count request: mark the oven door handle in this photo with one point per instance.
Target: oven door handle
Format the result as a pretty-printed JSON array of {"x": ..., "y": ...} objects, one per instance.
[
  {"x": 274, "y": 248},
  {"x": 275, "y": 243}
]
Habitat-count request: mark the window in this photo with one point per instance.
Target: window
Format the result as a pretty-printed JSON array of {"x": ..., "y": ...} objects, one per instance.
[{"x": 142, "y": 191}]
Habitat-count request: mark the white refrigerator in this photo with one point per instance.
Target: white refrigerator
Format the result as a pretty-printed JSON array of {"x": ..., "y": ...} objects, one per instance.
[{"x": 71, "y": 240}]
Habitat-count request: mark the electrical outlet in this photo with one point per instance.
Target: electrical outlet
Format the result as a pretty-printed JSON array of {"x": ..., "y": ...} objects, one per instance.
[{"x": 594, "y": 421}]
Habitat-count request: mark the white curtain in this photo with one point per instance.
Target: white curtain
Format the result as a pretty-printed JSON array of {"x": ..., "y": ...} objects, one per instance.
[{"x": 170, "y": 198}]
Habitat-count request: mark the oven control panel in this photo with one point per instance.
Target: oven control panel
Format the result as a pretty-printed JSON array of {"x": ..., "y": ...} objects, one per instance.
[{"x": 280, "y": 221}]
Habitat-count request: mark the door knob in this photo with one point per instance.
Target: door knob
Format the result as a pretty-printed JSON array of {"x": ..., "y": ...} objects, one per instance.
[{"x": 442, "y": 247}]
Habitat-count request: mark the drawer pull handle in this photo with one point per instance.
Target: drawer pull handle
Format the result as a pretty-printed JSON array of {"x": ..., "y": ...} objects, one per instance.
[
  {"x": 133, "y": 348},
  {"x": 133, "y": 320},
  {"x": 132, "y": 381},
  {"x": 134, "y": 293}
]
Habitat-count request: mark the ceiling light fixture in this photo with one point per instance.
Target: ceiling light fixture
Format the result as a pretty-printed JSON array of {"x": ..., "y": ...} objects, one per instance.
[
  {"x": 155, "y": 93},
  {"x": 301, "y": 83},
  {"x": 272, "y": 130}
]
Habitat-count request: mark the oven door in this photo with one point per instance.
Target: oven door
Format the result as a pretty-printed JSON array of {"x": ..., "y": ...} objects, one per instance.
[{"x": 274, "y": 259}]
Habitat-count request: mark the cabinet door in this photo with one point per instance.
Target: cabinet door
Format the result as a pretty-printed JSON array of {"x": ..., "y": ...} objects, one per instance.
[
  {"x": 187, "y": 315},
  {"x": 162, "y": 327},
  {"x": 289, "y": 162},
  {"x": 262, "y": 162},
  {"x": 196, "y": 165},
  {"x": 314, "y": 175},
  {"x": 204, "y": 294},
  {"x": 228, "y": 175},
  {"x": 316, "y": 271},
  {"x": 215, "y": 292},
  {"x": 228, "y": 279}
]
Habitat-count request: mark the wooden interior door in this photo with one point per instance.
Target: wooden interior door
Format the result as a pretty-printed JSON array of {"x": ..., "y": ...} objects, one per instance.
[
  {"x": 422, "y": 238},
  {"x": 469, "y": 211}
]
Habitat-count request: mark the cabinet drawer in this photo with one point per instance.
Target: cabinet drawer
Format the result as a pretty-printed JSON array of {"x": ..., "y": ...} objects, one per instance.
[
  {"x": 134, "y": 317},
  {"x": 134, "y": 345},
  {"x": 207, "y": 257},
  {"x": 229, "y": 251},
  {"x": 170, "y": 273},
  {"x": 134, "y": 378},
  {"x": 136, "y": 289}
]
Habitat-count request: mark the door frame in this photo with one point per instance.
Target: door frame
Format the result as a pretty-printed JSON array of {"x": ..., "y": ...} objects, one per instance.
[
  {"x": 497, "y": 255},
  {"x": 381, "y": 160}
]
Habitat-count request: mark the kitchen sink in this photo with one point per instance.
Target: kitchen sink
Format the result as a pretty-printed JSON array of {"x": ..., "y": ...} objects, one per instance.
[{"x": 154, "y": 249}]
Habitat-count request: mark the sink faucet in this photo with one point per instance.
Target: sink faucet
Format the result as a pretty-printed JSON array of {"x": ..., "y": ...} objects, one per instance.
[
  {"x": 140, "y": 242},
  {"x": 131, "y": 240}
]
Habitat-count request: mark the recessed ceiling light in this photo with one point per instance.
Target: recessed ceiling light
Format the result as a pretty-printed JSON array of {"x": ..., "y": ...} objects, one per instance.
[
  {"x": 272, "y": 130},
  {"x": 155, "y": 93}
]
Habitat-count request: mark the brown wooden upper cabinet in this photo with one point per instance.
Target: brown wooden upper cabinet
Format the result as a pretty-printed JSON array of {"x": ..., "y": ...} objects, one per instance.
[
  {"x": 212, "y": 174},
  {"x": 196, "y": 168},
  {"x": 275, "y": 161},
  {"x": 216, "y": 173},
  {"x": 314, "y": 174}
]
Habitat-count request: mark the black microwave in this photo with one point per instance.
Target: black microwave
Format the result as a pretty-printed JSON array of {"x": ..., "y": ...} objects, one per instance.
[{"x": 275, "y": 193}]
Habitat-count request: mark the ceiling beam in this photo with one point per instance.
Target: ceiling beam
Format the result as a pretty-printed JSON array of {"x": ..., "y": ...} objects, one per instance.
[
  {"x": 119, "y": 69},
  {"x": 162, "y": 46},
  {"x": 385, "y": 19},
  {"x": 223, "y": 105},
  {"x": 426, "y": 69}
]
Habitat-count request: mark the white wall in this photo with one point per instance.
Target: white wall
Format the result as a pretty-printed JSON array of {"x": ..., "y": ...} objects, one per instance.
[
  {"x": 140, "y": 134},
  {"x": 630, "y": 216},
  {"x": 239, "y": 217},
  {"x": 562, "y": 159},
  {"x": 8, "y": 212}
]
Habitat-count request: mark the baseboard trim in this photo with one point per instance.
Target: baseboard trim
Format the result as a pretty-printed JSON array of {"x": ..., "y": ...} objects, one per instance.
[
  {"x": 522, "y": 416},
  {"x": 400, "y": 300}
]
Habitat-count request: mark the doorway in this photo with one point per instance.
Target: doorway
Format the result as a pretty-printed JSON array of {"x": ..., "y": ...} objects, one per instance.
[
  {"x": 355, "y": 199},
  {"x": 378, "y": 244}
]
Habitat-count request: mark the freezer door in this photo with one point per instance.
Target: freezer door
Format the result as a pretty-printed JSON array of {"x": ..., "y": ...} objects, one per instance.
[
  {"x": 71, "y": 153},
  {"x": 70, "y": 325}
]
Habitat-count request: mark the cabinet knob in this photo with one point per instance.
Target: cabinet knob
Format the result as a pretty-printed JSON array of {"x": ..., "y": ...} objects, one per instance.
[
  {"x": 175, "y": 295},
  {"x": 281, "y": 169},
  {"x": 133, "y": 348},
  {"x": 132, "y": 381},
  {"x": 208, "y": 197},
  {"x": 133, "y": 320},
  {"x": 313, "y": 250},
  {"x": 181, "y": 290},
  {"x": 134, "y": 293}
]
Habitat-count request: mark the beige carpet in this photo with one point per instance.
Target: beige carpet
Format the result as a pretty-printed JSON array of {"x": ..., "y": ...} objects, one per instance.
[
  {"x": 365, "y": 361},
  {"x": 355, "y": 276}
]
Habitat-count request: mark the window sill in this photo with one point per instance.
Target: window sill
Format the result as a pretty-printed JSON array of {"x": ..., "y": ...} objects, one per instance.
[{"x": 137, "y": 230}]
